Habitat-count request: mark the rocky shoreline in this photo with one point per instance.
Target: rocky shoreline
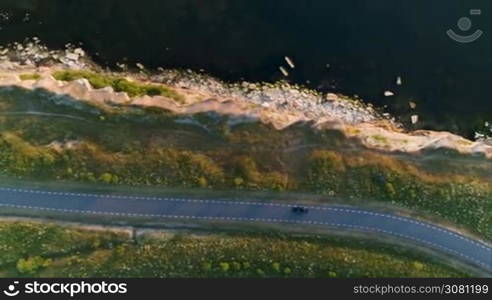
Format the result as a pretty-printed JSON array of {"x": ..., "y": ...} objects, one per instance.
[{"x": 280, "y": 105}]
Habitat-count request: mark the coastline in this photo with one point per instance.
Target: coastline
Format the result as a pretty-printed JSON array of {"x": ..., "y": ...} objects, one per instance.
[{"x": 353, "y": 119}]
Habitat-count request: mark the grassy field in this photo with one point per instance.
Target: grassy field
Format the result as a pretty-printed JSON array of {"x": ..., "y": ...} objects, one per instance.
[
  {"x": 48, "y": 250},
  {"x": 135, "y": 147},
  {"x": 26, "y": 248}
]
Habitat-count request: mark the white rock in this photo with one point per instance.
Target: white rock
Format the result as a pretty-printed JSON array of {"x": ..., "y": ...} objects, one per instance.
[
  {"x": 284, "y": 71},
  {"x": 79, "y": 52},
  {"x": 290, "y": 62},
  {"x": 399, "y": 81},
  {"x": 331, "y": 97},
  {"x": 72, "y": 56}
]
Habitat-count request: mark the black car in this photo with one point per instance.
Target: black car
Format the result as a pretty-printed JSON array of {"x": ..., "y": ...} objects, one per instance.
[{"x": 300, "y": 210}]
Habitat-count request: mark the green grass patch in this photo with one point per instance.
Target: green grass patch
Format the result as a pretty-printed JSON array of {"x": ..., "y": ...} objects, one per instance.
[
  {"x": 31, "y": 76},
  {"x": 119, "y": 84},
  {"x": 380, "y": 139}
]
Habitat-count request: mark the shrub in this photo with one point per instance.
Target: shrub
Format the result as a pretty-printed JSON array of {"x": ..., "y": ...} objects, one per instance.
[
  {"x": 246, "y": 168},
  {"x": 32, "y": 265},
  {"x": 224, "y": 266}
]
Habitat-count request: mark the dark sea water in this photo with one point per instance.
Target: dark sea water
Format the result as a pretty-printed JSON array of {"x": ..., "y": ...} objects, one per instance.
[{"x": 366, "y": 43}]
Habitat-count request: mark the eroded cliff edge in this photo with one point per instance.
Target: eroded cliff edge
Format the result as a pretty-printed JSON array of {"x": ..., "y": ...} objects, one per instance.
[{"x": 266, "y": 104}]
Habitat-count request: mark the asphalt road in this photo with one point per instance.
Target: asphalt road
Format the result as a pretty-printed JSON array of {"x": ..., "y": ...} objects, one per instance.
[{"x": 464, "y": 248}]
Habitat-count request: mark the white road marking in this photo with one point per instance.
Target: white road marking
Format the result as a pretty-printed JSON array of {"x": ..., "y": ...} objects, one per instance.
[
  {"x": 345, "y": 210},
  {"x": 363, "y": 228}
]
